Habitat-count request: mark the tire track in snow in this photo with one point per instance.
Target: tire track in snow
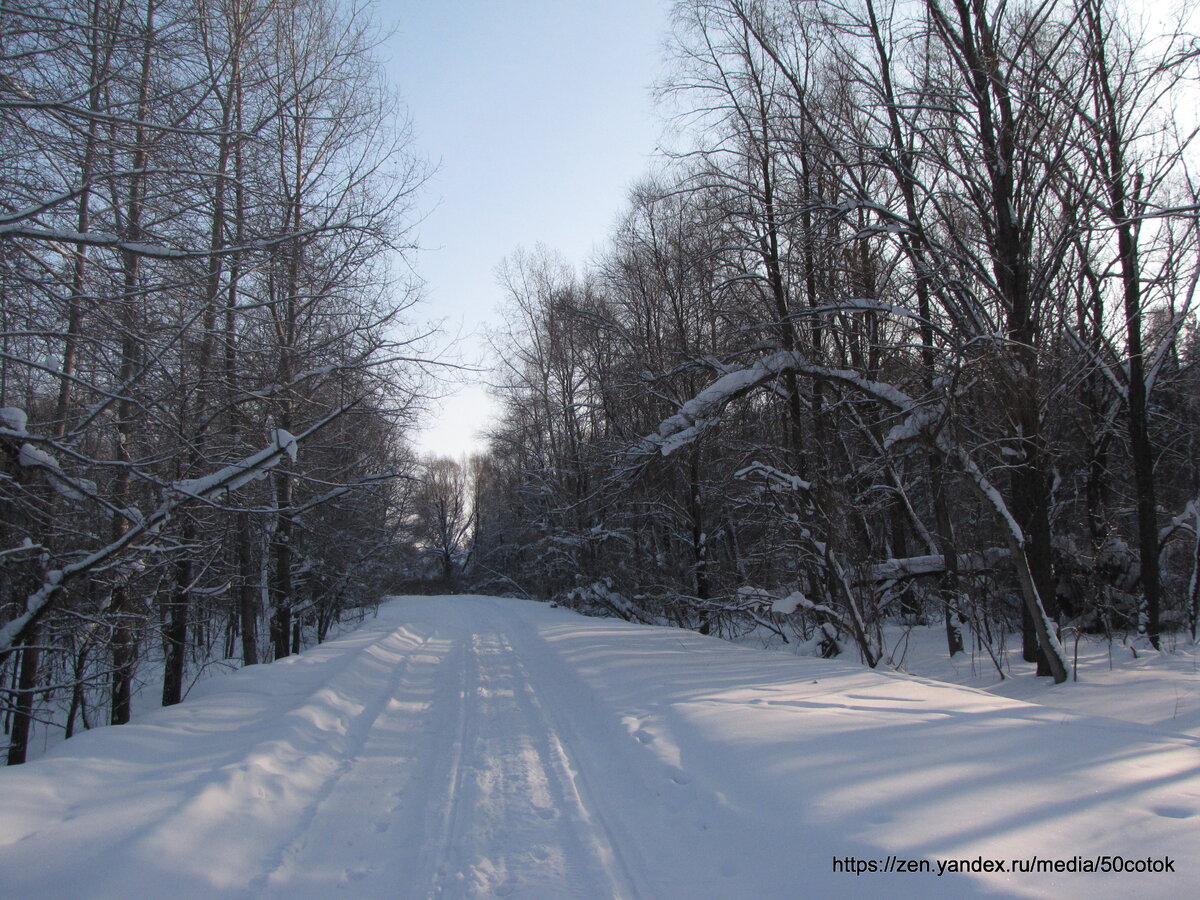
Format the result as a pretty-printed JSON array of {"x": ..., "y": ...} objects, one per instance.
[
  {"x": 504, "y": 812},
  {"x": 358, "y": 733},
  {"x": 659, "y": 807},
  {"x": 458, "y": 776},
  {"x": 572, "y": 790}
]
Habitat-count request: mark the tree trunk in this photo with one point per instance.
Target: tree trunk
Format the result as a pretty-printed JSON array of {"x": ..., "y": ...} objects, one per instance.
[
  {"x": 247, "y": 593},
  {"x": 23, "y": 707},
  {"x": 175, "y": 633}
]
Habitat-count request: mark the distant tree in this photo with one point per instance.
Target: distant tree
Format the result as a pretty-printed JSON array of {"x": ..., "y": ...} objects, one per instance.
[{"x": 442, "y": 509}]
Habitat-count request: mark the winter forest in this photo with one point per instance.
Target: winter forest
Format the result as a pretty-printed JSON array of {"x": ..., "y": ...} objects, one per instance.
[
  {"x": 206, "y": 371},
  {"x": 904, "y": 332},
  {"x": 899, "y": 330}
]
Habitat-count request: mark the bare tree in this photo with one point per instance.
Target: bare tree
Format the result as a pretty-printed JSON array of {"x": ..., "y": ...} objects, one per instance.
[
  {"x": 858, "y": 335},
  {"x": 197, "y": 199},
  {"x": 442, "y": 506}
]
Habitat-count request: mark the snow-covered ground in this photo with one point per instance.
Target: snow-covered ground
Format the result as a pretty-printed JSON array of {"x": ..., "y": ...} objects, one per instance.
[
  {"x": 483, "y": 747},
  {"x": 1121, "y": 678}
]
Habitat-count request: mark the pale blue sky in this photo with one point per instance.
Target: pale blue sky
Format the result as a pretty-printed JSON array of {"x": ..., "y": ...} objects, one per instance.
[{"x": 540, "y": 117}]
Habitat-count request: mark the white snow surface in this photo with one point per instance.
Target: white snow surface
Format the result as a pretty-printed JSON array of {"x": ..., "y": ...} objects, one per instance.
[{"x": 485, "y": 747}]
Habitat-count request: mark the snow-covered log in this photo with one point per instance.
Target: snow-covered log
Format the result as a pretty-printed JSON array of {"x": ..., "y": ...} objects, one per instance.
[{"x": 935, "y": 564}]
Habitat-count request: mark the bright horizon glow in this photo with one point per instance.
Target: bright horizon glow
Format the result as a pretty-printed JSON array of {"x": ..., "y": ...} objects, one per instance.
[{"x": 539, "y": 117}]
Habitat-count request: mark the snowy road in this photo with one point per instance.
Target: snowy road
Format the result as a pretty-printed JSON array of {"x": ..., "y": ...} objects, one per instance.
[{"x": 480, "y": 747}]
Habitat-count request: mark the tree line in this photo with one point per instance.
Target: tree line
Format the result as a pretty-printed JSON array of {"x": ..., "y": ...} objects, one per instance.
[
  {"x": 903, "y": 330},
  {"x": 204, "y": 376}
]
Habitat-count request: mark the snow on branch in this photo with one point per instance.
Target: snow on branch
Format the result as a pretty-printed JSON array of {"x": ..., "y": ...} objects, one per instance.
[
  {"x": 13, "y": 428},
  {"x": 1162, "y": 352},
  {"x": 703, "y": 410},
  {"x": 22, "y": 229},
  {"x": 773, "y": 477},
  {"x": 863, "y": 304},
  {"x": 918, "y": 422},
  {"x": 224, "y": 480},
  {"x": 786, "y": 604},
  {"x": 13, "y": 419},
  {"x": 1186, "y": 520},
  {"x": 601, "y": 592},
  {"x": 89, "y": 239},
  {"x": 240, "y": 473}
]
